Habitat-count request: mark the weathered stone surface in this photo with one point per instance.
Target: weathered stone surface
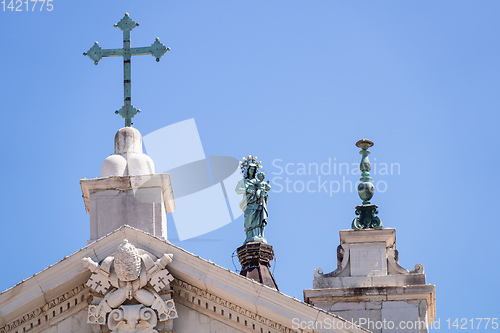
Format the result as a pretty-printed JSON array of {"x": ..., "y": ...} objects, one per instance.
[
  {"x": 370, "y": 281},
  {"x": 373, "y": 305},
  {"x": 139, "y": 201},
  {"x": 368, "y": 259},
  {"x": 194, "y": 321},
  {"x": 404, "y": 316},
  {"x": 128, "y": 159},
  {"x": 362, "y": 317},
  {"x": 76, "y": 323},
  {"x": 343, "y": 306}
]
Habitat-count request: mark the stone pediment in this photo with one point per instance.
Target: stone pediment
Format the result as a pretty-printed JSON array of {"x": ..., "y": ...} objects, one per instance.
[{"x": 207, "y": 297}]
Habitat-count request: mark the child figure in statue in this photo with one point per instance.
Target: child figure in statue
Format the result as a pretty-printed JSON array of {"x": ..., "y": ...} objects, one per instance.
[{"x": 261, "y": 189}]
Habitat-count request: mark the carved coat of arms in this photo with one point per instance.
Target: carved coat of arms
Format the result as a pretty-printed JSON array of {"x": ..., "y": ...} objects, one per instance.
[{"x": 131, "y": 292}]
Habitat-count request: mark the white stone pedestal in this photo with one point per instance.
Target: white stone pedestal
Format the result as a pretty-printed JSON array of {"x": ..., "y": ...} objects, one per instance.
[
  {"x": 128, "y": 192},
  {"x": 371, "y": 288},
  {"x": 138, "y": 201}
]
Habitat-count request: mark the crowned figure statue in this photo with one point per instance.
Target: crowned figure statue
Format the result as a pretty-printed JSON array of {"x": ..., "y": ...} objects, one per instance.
[{"x": 254, "y": 203}]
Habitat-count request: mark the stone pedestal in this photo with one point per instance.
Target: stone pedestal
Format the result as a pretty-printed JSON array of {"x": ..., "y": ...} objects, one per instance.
[
  {"x": 128, "y": 192},
  {"x": 138, "y": 201},
  {"x": 254, "y": 259},
  {"x": 371, "y": 288}
]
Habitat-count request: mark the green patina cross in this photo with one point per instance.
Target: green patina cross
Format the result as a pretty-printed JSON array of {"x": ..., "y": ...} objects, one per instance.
[{"x": 96, "y": 53}]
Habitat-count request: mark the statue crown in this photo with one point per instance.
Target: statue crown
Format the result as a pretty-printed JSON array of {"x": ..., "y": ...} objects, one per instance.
[{"x": 250, "y": 161}]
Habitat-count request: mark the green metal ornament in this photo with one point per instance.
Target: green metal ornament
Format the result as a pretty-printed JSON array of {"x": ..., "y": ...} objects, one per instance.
[
  {"x": 366, "y": 212},
  {"x": 96, "y": 53}
]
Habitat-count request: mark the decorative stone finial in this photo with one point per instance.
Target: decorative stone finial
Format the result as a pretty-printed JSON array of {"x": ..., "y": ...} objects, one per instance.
[
  {"x": 128, "y": 159},
  {"x": 366, "y": 211},
  {"x": 254, "y": 203}
]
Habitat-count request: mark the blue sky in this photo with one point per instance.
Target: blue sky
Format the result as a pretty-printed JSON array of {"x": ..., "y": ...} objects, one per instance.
[{"x": 291, "y": 82}]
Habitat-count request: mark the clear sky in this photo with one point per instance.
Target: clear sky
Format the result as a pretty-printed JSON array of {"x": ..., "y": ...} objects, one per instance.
[{"x": 291, "y": 82}]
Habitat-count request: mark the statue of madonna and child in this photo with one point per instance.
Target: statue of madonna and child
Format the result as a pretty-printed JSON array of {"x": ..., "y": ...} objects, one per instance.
[{"x": 254, "y": 203}]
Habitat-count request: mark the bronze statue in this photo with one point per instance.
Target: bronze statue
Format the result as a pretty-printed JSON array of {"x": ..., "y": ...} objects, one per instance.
[{"x": 254, "y": 203}]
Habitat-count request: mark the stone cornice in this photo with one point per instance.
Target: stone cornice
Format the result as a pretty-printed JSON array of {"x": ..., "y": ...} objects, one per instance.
[
  {"x": 387, "y": 235},
  {"x": 125, "y": 183},
  {"x": 419, "y": 291},
  {"x": 209, "y": 303},
  {"x": 54, "y": 310},
  {"x": 390, "y": 293}
]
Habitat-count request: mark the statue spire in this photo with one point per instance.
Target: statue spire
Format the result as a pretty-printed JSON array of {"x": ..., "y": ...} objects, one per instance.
[
  {"x": 255, "y": 254},
  {"x": 96, "y": 53},
  {"x": 254, "y": 203},
  {"x": 366, "y": 211}
]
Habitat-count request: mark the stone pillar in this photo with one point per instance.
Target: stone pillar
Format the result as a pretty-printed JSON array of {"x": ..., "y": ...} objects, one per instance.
[
  {"x": 254, "y": 259},
  {"x": 371, "y": 288},
  {"x": 128, "y": 192}
]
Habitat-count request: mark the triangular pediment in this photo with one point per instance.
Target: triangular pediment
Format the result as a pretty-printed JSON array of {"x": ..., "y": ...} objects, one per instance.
[{"x": 204, "y": 293}]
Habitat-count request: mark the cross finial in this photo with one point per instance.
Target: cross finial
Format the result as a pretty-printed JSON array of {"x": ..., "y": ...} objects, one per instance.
[{"x": 96, "y": 53}]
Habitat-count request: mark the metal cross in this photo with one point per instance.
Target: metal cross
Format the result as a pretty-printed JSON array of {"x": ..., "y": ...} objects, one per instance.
[{"x": 96, "y": 53}]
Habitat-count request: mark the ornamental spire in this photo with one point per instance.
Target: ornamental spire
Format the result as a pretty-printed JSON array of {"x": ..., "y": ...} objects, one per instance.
[
  {"x": 255, "y": 253},
  {"x": 96, "y": 53},
  {"x": 366, "y": 211}
]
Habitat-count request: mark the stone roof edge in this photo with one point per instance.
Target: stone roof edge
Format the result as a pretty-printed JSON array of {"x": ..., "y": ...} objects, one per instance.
[{"x": 216, "y": 277}]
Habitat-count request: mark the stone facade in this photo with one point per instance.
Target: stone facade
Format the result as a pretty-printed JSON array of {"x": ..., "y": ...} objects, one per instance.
[
  {"x": 371, "y": 288},
  {"x": 207, "y": 297},
  {"x": 75, "y": 323}
]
